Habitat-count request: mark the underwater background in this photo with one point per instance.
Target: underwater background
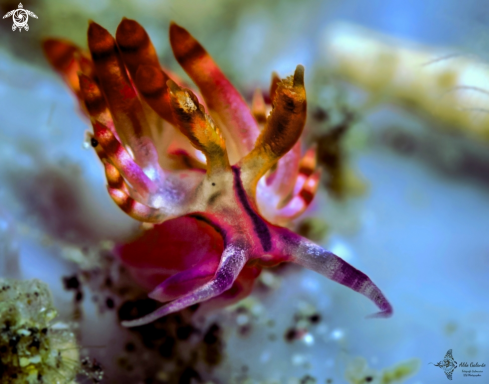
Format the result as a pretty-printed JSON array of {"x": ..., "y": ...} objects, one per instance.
[{"x": 413, "y": 213}]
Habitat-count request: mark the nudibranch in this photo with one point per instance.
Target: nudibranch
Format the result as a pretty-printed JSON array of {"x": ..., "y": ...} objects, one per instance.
[{"x": 219, "y": 203}]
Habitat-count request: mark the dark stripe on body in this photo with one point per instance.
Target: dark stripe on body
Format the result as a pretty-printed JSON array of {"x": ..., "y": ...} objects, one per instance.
[
  {"x": 306, "y": 195},
  {"x": 115, "y": 182},
  {"x": 102, "y": 55},
  {"x": 111, "y": 144},
  {"x": 127, "y": 205},
  {"x": 154, "y": 93},
  {"x": 214, "y": 225},
  {"x": 259, "y": 225},
  {"x": 134, "y": 46},
  {"x": 131, "y": 36},
  {"x": 305, "y": 170},
  {"x": 351, "y": 277},
  {"x": 193, "y": 53},
  {"x": 94, "y": 102},
  {"x": 62, "y": 62},
  {"x": 151, "y": 81}
]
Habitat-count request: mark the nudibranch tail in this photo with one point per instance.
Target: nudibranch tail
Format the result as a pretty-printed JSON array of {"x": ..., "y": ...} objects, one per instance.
[
  {"x": 225, "y": 104},
  {"x": 232, "y": 262},
  {"x": 299, "y": 250}
]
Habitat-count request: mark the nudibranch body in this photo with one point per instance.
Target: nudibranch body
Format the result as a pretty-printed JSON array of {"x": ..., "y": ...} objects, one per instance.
[{"x": 220, "y": 214}]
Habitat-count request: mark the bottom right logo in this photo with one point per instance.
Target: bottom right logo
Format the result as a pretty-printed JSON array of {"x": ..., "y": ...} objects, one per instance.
[{"x": 448, "y": 364}]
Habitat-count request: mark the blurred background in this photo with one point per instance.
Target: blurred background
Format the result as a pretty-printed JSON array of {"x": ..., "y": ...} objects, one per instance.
[{"x": 397, "y": 95}]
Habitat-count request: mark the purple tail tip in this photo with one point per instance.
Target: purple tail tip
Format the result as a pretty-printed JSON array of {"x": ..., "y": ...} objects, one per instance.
[{"x": 386, "y": 311}]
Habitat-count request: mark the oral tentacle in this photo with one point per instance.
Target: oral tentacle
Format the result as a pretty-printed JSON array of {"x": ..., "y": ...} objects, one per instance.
[
  {"x": 232, "y": 262},
  {"x": 198, "y": 127},
  {"x": 226, "y": 105},
  {"x": 282, "y": 130},
  {"x": 240, "y": 289},
  {"x": 185, "y": 281},
  {"x": 297, "y": 249}
]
